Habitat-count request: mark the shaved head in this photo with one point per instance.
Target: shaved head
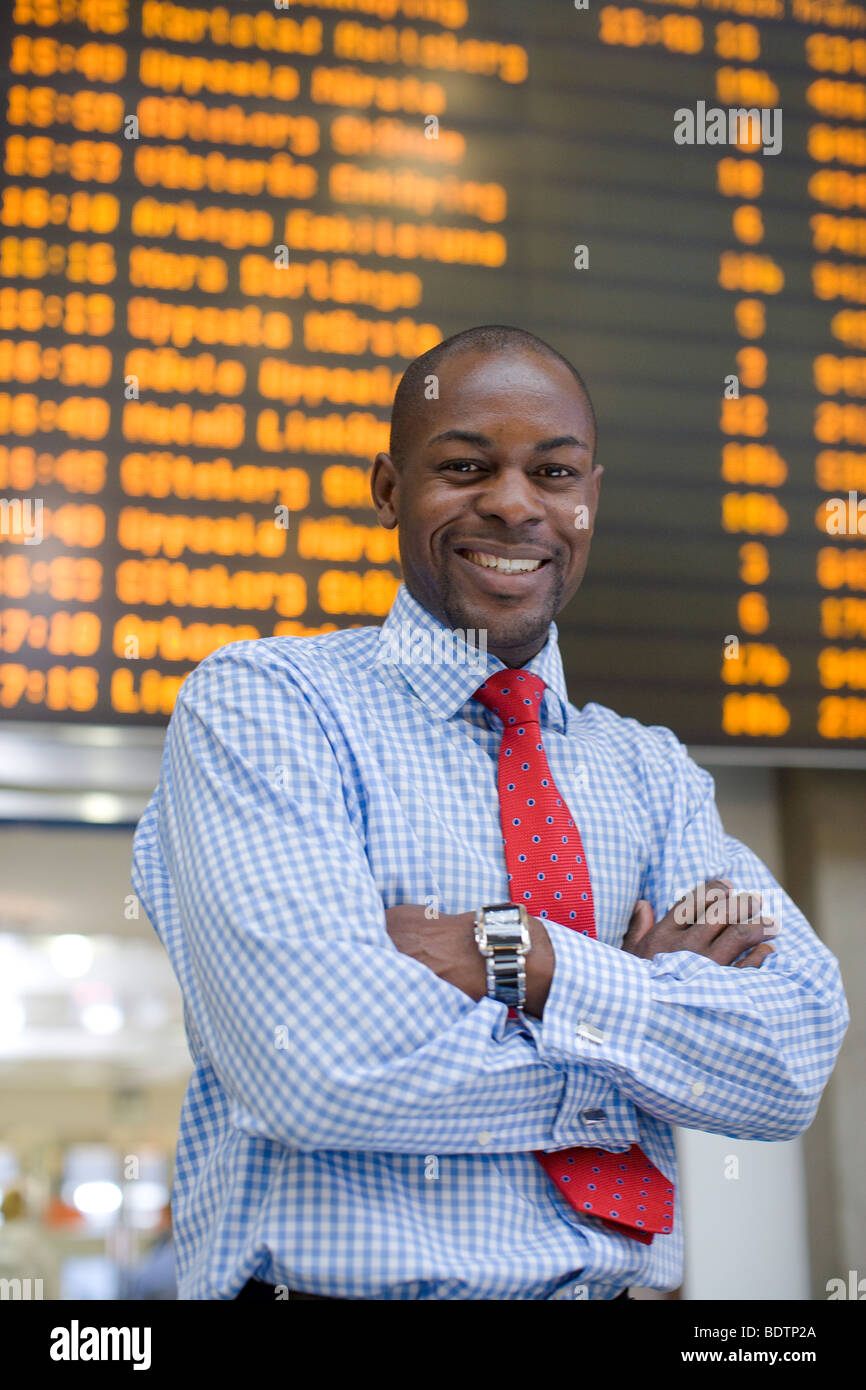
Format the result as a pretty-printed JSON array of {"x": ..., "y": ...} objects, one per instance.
[{"x": 411, "y": 398}]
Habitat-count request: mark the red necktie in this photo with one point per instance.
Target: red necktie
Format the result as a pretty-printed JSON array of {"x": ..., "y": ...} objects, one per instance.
[{"x": 548, "y": 874}]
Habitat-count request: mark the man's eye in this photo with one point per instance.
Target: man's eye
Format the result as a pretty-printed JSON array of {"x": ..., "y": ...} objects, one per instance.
[{"x": 548, "y": 470}]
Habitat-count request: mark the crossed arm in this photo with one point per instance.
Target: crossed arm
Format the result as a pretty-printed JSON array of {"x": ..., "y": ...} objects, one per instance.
[
  {"x": 718, "y": 923},
  {"x": 276, "y": 928}
]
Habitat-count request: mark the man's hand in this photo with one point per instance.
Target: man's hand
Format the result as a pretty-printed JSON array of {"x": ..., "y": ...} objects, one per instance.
[
  {"x": 446, "y": 945},
  {"x": 721, "y": 932}
]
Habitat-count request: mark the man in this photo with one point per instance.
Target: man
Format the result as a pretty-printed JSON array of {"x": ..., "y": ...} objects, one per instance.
[{"x": 377, "y": 1109}]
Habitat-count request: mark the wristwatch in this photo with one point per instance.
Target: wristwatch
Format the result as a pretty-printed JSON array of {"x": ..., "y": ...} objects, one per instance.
[{"x": 502, "y": 934}]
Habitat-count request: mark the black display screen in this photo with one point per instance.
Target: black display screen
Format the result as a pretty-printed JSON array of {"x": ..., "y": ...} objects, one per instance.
[{"x": 225, "y": 231}]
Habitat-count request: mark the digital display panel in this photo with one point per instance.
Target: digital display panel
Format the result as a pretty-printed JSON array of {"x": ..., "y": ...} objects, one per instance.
[{"x": 225, "y": 231}]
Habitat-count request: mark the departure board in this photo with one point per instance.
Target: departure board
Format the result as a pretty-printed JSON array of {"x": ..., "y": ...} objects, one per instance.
[{"x": 225, "y": 230}]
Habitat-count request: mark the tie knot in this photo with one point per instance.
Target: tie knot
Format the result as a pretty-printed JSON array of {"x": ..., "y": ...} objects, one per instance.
[{"x": 512, "y": 694}]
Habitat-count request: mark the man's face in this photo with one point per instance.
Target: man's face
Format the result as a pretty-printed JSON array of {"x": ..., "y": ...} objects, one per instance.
[{"x": 499, "y": 467}]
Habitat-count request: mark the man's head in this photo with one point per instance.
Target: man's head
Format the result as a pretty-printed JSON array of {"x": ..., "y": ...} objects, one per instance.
[{"x": 492, "y": 444}]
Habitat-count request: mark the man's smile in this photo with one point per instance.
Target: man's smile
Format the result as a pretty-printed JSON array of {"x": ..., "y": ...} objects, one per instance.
[
  {"x": 495, "y": 562},
  {"x": 501, "y": 569}
]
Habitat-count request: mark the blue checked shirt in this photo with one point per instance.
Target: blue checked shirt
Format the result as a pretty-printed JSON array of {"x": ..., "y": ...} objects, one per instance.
[{"x": 355, "y": 1126}]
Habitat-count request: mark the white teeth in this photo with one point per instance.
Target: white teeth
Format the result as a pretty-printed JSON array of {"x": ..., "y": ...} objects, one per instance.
[{"x": 496, "y": 562}]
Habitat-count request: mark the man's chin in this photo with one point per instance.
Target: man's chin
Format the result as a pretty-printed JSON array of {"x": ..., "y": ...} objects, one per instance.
[
  {"x": 511, "y": 621},
  {"x": 516, "y": 626}
]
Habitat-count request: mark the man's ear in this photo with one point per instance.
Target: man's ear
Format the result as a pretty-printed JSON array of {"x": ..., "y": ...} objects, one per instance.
[{"x": 384, "y": 486}]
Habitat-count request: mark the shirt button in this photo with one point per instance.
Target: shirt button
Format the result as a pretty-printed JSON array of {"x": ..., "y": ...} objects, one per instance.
[
  {"x": 594, "y": 1117},
  {"x": 485, "y": 1136},
  {"x": 698, "y": 1088},
  {"x": 590, "y": 1032}
]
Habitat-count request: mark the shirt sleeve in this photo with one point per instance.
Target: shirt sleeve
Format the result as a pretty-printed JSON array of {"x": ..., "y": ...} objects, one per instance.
[
  {"x": 322, "y": 1034},
  {"x": 745, "y": 1053}
]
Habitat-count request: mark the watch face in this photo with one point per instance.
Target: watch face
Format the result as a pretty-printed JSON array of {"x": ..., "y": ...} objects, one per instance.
[
  {"x": 502, "y": 914},
  {"x": 504, "y": 931},
  {"x": 506, "y": 924}
]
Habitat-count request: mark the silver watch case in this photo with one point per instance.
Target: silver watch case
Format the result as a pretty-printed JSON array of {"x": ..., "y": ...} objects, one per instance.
[{"x": 502, "y": 937}]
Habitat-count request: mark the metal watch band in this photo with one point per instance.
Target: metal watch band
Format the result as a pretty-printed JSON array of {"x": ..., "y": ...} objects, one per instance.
[
  {"x": 506, "y": 978},
  {"x": 502, "y": 934}
]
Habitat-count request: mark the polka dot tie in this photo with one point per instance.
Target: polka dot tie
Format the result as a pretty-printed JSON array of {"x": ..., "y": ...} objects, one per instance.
[{"x": 548, "y": 873}]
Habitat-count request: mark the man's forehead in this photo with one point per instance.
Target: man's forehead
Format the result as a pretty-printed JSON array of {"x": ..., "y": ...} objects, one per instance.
[
  {"x": 487, "y": 395},
  {"x": 474, "y": 371}
]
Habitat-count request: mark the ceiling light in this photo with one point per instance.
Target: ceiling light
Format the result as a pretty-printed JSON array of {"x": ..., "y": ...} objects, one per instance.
[
  {"x": 97, "y": 1198},
  {"x": 102, "y": 1019},
  {"x": 71, "y": 956}
]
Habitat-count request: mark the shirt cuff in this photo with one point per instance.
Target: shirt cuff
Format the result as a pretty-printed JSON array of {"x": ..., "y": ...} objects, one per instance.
[
  {"x": 599, "y": 1003},
  {"x": 596, "y": 1014}
]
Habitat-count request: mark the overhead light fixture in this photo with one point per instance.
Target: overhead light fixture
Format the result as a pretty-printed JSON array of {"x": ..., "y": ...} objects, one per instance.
[
  {"x": 71, "y": 955},
  {"x": 102, "y": 1019},
  {"x": 12, "y": 1018},
  {"x": 146, "y": 1196},
  {"x": 101, "y": 807},
  {"x": 97, "y": 1198}
]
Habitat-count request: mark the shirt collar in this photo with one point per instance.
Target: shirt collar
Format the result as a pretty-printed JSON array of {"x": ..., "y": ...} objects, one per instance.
[{"x": 445, "y": 666}]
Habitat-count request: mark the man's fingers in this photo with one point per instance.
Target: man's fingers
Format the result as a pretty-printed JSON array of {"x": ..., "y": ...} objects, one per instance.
[
  {"x": 733, "y": 909},
  {"x": 713, "y": 911},
  {"x": 642, "y": 920},
  {"x": 731, "y": 941},
  {"x": 712, "y": 920},
  {"x": 693, "y": 907},
  {"x": 755, "y": 959},
  {"x": 742, "y": 907}
]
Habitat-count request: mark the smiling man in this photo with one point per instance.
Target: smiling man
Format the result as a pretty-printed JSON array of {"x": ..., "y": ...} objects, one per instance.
[
  {"x": 492, "y": 509},
  {"x": 456, "y": 953}
]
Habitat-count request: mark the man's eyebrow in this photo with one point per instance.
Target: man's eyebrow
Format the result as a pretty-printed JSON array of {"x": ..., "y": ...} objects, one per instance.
[
  {"x": 560, "y": 442},
  {"x": 467, "y": 436},
  {"x": 470, "y": 437}
]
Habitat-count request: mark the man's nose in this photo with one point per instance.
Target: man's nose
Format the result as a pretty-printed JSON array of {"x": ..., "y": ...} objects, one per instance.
[{"x": 511, "y": 496}]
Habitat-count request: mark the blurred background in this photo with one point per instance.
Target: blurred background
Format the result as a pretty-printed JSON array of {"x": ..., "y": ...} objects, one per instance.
[{"x": 223, "y": 234}]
